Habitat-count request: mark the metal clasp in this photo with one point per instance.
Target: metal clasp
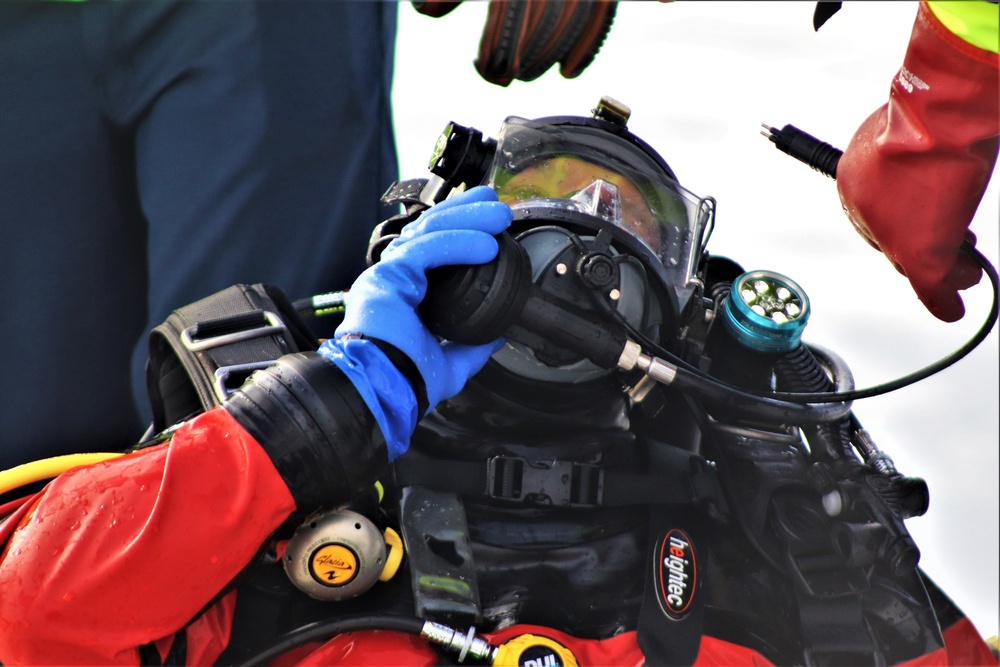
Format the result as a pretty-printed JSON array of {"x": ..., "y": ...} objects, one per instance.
[
  {"x": 223, "y": 373},
  {"x": 274, "y": 326}
]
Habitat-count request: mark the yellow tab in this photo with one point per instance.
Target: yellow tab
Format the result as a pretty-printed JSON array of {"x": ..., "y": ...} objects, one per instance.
[
  {"x": 975, "y": 21},
  {"x": 394, "y": 554}
]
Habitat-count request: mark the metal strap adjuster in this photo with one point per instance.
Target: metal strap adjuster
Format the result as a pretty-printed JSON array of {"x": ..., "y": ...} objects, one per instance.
[
  {"x": 556, "y": 483},
  {"x": 270, "y": 325},
  {"x": 222, "y": 385}
]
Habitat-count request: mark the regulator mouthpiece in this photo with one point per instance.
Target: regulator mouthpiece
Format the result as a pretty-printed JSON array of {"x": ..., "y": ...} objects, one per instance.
[{"x": 766, "y": 312}]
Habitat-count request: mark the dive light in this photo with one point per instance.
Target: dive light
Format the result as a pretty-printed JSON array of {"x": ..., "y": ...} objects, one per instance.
[{"x": 766, "y": 312}]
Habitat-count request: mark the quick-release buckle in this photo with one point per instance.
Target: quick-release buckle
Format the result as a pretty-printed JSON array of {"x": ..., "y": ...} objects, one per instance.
[
  {"x": 269, "y": 325},
  {"x": 223, "y": 375},
  {"x": 556, "y": 483}
]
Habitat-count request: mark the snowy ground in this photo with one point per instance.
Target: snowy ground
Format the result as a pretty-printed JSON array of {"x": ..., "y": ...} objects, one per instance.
[{"x": 700, "y": 77}]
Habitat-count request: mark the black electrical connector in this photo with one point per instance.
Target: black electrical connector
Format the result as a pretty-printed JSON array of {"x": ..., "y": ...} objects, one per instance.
[{"x": 804, "y": 147}]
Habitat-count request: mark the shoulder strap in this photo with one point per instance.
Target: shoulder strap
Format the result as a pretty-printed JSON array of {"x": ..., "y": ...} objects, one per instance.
[{"x": 207, "y": 349}]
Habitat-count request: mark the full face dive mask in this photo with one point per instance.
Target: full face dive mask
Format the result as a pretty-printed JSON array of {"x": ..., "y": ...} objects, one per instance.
[{"x": 603, "y": 240}]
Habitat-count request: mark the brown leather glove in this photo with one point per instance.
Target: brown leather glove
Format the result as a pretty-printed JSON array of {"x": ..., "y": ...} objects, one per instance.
[{"x": 522, "y": 39}]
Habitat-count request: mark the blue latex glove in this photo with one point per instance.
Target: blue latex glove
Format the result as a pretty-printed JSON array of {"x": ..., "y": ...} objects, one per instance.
[{"x": 382, "y": 304}]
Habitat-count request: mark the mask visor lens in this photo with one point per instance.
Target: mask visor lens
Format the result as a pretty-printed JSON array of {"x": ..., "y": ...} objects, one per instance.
[{"x": 535, "y": 161}]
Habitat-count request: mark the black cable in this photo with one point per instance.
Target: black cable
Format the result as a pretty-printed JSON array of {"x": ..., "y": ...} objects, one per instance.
[
  {"x": 927, "y": 371},
  {"x": 781, "y": 401},
  {"x": 757, "y": 405},
  {"x": 324, "y": 630},
  {"x": 824, "y": 158},
  {"x": 690, "y": 378},
  {"x": 780, "y": 404}
]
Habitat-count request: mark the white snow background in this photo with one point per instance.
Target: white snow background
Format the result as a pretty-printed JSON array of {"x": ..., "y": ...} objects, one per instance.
[{"x": 700, "y": 78}]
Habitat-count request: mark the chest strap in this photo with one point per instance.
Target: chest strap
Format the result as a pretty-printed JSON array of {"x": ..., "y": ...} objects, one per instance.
[
  {"x": 207, "y": 349},
  {"x": 559, "y": 483}
]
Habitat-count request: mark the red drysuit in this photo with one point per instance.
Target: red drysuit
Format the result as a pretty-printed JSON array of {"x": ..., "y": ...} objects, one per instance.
[{"x": 127, "y": 552}]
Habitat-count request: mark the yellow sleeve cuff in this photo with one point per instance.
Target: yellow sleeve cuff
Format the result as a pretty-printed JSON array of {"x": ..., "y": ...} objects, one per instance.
[{"x": 975, "y": 21}]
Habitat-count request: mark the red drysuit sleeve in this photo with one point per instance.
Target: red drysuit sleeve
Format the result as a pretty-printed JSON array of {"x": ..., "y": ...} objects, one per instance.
[
  {"x": 127, "y": 552},
  {"x": 912, "y": 177}
]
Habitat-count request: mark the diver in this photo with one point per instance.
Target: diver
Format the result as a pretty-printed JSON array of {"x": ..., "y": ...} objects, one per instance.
[{"x": 479, "y": 468}]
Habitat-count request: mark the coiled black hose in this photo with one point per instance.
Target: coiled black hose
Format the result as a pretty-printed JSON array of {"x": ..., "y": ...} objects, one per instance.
[{"x": 799, "y": 371}]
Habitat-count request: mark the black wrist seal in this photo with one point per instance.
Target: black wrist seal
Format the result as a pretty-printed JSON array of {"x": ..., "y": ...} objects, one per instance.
[{"x": 313, "y": 423}]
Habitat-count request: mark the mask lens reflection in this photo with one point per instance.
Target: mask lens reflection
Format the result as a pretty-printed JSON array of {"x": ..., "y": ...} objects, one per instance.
[{"x": 566, "y": 176}]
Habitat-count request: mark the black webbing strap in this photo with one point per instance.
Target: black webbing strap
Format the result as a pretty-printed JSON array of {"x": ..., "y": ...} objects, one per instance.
[
  {"x": 207, "y": 349},
  {"x": 835, "y": 631},
  {"x": 682, "y": 495},
  {"x": 672, "y": 610},
  {"x": 559, "y": 483}
]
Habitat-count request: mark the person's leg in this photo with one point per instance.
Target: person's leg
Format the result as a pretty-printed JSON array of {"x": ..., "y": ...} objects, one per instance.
[
  {"x": 71, "y": 258},
  {"x": 266, "y": 147}
]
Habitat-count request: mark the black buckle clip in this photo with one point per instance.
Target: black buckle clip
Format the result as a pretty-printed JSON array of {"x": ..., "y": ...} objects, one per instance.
[{"x": 556, "y": 483}]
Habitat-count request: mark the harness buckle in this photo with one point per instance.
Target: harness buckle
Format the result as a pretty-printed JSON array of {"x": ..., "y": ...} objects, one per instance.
[
  {"x": 224, "y": 387},
  {"x": 556, "y": 483},
  {"x": 267, "y": 324}
]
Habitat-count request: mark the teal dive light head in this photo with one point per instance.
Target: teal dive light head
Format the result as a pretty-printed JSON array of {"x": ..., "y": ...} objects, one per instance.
[{"x": 766, "y": 312}]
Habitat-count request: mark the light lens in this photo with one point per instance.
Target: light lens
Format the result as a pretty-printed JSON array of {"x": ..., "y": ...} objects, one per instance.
[{"x": 766, "y": 311}]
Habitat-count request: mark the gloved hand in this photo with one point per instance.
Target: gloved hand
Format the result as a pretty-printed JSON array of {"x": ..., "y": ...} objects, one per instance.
[
  {"x": 382, "y": 308},
  {"x": 914, "y": 173},
  {"x": 522, "y": 39}
]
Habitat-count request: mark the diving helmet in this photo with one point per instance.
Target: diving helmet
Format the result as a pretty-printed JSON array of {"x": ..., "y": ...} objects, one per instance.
[{"x": 609, "y": 234}]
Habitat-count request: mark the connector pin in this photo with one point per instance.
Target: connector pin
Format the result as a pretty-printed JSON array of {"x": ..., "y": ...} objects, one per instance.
[{"x": 804, "y": 147}]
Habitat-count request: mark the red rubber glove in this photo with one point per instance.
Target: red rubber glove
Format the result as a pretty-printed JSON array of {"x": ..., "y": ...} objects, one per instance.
[{"x": 914, "y": 173}]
